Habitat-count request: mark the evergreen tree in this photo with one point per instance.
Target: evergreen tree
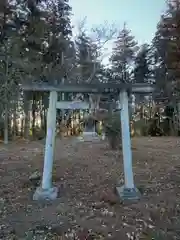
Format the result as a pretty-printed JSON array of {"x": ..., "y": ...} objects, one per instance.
[
  {"x": 123, "y": 55},
  {"x": 12, "y": 22},
  {"x": 11, "y": 25},
  {"x": 60, "y": 52},
  {"x": 30, "y": 28},
  {"x": 142, "y": 65},
  {"x": 167, "y": 45},
  {"x": 88, "y": 65},
  {"x": 44, "y": 38}
]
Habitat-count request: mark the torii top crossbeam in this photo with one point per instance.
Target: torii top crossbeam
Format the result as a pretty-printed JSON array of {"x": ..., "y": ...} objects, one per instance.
[{"x": 104, "y": 88}]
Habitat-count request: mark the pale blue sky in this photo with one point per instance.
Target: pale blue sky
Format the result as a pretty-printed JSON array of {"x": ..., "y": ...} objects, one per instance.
[{"x": 141, "y": 15}]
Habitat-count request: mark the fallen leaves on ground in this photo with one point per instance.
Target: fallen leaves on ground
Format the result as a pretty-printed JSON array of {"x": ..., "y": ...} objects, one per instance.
[{"x": 88, "y": 207}]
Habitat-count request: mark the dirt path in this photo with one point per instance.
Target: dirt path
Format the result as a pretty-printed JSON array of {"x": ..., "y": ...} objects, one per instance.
[{"x": 87, "y": 207}]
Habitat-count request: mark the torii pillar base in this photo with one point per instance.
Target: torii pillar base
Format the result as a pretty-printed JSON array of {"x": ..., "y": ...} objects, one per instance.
[
  {"x": 45, "y": 194},
  {"x": 128, "y": 194}
]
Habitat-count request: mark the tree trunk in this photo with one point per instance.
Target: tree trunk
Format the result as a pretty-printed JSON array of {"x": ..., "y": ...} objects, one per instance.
[
  {"x": 14, "y": 121},
  {"x": 6, "y": 109},
  {"x": 33, "y": 115},
  {"x": 6, "y": 120},
  {"x": 42, "y": 119},
  {"x": 22, "y": 127},
  {"x": 45, "y": 119},
  {"x": 178, "y": 118},
  {"x": 27, "y": 104}
]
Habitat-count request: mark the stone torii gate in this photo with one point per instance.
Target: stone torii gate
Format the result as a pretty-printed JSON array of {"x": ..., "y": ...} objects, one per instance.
[{"x": 128, "y": 191}]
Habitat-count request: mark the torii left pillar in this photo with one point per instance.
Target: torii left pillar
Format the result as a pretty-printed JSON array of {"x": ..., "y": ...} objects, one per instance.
[
  {"x": 46, "y": 191},
  {"x": 128, "y": 191}
]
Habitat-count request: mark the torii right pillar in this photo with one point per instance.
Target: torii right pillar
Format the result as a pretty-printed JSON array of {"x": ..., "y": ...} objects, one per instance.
[{"x": 128, "y": 191}]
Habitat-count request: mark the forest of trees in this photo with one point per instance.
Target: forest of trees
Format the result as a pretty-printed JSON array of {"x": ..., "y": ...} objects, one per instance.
[{"x": 37, "y": 44}]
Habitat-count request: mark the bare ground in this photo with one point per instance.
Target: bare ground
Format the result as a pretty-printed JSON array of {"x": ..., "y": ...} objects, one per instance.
[{"x": 87, "y": 207}]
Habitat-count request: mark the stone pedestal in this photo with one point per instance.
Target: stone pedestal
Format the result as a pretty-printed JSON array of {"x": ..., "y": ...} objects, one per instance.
[
  {"x": 45, "y": 194},
  {"x": 126, "y": 194},
  {"x": 89, "y": 137}
]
